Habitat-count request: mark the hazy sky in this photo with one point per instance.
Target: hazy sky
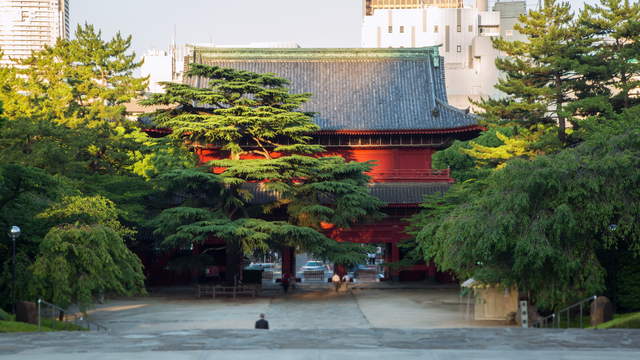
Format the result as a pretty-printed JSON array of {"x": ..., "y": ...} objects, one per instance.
[{"x": 310, "y": 23}]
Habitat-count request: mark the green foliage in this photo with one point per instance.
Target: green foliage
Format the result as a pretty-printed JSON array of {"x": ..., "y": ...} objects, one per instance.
[
  {"x": 540, "y": 76},
  {"x": 4, "y": 316},
  {"x": 76, "y": 263},
  {"x": 538, "y": 224},
  {"x": 270, "y": 191},
  {"x": 64, "y": 106},
  {"x": 20, "y": 327},
  {"x": 248, "y": 113},
  {"x": 87, "y": 210},
  {"x": 613, "y": 66},
  {"x": 463, "y": 166},
  {"x": 46, "y": 326},
  {"x": 56, "y": 325},
  {"x": 626, "y": 321},
  {"x": 628, "y": 284}
]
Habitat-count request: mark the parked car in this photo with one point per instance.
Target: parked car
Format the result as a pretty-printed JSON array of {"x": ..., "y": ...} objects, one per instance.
[
  {"x": 313, "y": 265},
  {"x": 260, "y": 266}
]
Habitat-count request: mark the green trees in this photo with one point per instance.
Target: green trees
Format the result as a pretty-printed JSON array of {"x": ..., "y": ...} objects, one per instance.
[
  {"x": 548, "y": 215},
  {"x": 65, "y": 107},
  {"x": 65, "y": 143},
  {"x": 539, "y": 224},
  {"x": 540, "y": 74},
  {"x": 85, "y": 255},
  {"x": 270, "y": 190},
  {"x": 614, "y": 23}
]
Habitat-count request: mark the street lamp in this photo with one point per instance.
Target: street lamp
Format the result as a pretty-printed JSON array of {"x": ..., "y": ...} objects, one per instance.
[{"x": 14, "y": 233}]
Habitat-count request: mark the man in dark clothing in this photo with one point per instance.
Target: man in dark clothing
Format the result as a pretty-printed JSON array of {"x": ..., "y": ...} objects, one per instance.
[{"x": 262, "y": 323}]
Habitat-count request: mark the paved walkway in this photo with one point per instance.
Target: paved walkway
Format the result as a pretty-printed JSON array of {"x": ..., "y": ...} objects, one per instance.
[
  {"x": 324, "y": 309},
  {"x": 366, "y": 324},
  {"x": 328, "y": 344}
]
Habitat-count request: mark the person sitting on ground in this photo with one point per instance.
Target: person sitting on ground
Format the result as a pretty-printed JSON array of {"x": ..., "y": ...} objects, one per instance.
[
  {"x": 262, "y": 323},
  {"x": 335, "y": 279}
]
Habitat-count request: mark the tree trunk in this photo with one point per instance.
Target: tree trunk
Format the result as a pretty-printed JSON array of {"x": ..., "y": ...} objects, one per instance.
[
  {"x": 562, "y": 125},
  {"x": 234, "y": 263}
]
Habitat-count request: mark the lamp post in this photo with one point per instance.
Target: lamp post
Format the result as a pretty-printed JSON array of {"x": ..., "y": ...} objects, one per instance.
[{"x": 14, "y": 233}]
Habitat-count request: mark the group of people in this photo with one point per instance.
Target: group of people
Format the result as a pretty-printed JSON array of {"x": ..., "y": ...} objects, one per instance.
[
  {"x": 289, "y": 280},
  {"x": 339, "y": 282}
]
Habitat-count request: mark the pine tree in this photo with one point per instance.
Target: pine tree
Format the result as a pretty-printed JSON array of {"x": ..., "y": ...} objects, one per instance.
[
  {"x": 540, "y": 73},
  {"x": 65, "y": 109},
  {"x": 615, "y": 25},
  {"x": 265, "y": 151}
]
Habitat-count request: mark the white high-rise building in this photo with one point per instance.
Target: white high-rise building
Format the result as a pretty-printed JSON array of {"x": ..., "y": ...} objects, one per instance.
[
  {"x": 29, "y": 25},
  {"x": 463, "y": 34}
]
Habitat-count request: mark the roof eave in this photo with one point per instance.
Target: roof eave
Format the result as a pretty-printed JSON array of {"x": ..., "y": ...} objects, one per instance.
[{"x": 470, "y": 128}]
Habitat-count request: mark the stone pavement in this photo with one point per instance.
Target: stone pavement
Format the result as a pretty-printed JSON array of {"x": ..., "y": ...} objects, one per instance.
[
  {"x": 333, "y": 344},
  {"x": 360, "y": 309},
  {"x": 363, "y": 324}
]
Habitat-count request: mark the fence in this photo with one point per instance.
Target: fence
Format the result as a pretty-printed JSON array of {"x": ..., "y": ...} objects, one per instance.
[
  {"x": 313, "y": 275},
  {"x": 50, "y": 311},
  {"x": 557, "y": 319}
]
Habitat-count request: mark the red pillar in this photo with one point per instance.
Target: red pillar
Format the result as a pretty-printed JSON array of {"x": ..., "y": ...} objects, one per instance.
[
  {"x": 432, "y": 270},
  {"x": 288, "y": 260},
  {"x": 340, "y": 270},
  {"x": 395, "y": 257}
]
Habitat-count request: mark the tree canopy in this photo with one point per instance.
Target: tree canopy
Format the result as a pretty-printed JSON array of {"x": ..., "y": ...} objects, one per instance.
[
  {"x": 270, "y": 189},
  {"x": 548, "y": 215},
  {"x": 69, "y": 164}
]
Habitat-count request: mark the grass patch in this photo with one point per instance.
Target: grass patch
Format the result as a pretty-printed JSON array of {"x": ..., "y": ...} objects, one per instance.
[
  {"x": 16, "y": 326},
  {"x": 47, "y": 325},
  {"x": 624, "y": 321},
  {"x": 61, "y": 326}
]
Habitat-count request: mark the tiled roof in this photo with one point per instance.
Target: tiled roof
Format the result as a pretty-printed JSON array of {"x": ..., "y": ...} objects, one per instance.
[
  {"x": 356, "y": 89},
  {"x": 391, "y": 193}
]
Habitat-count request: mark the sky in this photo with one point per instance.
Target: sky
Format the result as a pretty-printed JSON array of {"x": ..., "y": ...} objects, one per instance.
[{"x": 152, "y": 23}]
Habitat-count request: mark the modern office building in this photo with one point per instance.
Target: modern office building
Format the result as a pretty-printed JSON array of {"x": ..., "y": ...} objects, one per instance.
[
  {"x": 29, "y": 25},
  {"x": 463, "y": 35}
]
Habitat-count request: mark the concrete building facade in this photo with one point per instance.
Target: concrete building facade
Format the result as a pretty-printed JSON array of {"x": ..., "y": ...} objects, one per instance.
[
  {"x": 29, "y": 25},
  {"x": 463, "y": 35}
]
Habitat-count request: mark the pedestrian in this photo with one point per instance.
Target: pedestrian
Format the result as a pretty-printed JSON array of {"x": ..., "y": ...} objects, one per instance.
[
  {"x": 345, "y": 280},
  {"x": 335, "y": 279},
  {"x": 262, "y": 323},
  {"x": 285, "y": 283}
]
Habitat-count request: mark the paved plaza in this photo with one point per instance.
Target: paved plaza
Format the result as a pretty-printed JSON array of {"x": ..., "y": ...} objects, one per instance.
[
  {"x": 310, "y": 325},
  {"x": 321, "y": 308}
]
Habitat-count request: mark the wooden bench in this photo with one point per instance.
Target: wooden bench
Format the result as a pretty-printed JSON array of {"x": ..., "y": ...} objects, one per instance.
[{"x": 220, "y": 290}]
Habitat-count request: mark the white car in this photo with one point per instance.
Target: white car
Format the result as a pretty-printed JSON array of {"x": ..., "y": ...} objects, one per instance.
[{"x": 313, "y": 265}]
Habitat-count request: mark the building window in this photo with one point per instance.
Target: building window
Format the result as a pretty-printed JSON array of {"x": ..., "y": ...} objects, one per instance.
[
  {"x": 459, "y": 28},
  {"x": 390, "y": 29},
  {"x": 508, "y": 33},
  {"x": 459, "y": 48},
  {"x": 435, "y": 28},
  {"x": 402, "y": 29},
  {"x": 470, "y": 28}
]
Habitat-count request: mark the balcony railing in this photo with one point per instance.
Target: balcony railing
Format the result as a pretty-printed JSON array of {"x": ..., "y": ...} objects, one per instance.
[{"x": 411, "y": 175}]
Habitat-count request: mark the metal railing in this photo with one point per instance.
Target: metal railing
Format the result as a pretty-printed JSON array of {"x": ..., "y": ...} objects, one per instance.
[
  {"x": 411, "y": 174},
  {"x": 555, "y": 320},
  {"x": 51, "y": 311}
]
